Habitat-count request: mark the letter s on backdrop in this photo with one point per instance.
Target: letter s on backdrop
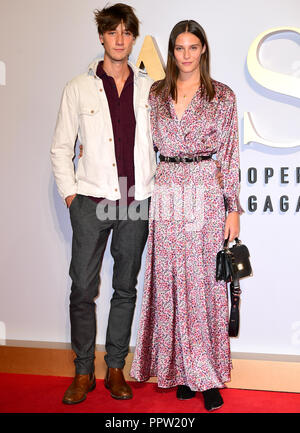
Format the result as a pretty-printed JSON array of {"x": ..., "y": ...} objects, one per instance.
[{"x": 280, "y": 83}]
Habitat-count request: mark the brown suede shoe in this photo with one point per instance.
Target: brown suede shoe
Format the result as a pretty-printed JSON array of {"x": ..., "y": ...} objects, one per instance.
[
  {"x": 81, "y": 385},
  {"x": 115, "y": 382}
]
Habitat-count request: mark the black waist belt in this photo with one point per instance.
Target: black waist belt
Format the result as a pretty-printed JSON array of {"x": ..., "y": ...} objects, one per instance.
[{"x": 177, "y": 159}]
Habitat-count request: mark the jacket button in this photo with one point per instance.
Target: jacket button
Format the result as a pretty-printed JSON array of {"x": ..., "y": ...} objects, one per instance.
[
  {"x": 116, "y": 189},
  {"x": 146, "y": 106},
  {"x": 92, "y": 111},
  {"x": 101, "y": 90},
  {"x": 114, "y": 165},
  {"x": 110, "y": 139}
]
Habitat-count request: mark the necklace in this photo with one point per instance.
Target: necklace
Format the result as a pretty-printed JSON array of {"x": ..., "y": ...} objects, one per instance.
[{"x": 188, "y": 93}]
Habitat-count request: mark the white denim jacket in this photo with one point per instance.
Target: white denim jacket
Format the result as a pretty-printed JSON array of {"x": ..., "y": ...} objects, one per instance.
[{"x": 84, "y": 112}]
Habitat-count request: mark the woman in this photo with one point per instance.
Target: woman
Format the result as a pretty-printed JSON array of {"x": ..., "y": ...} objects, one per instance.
[{"x": 183, "y": 331}]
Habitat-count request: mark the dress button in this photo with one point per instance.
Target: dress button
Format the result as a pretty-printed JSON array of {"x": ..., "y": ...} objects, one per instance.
[
  {"x": 92, "y": 111},
  {"x": 146, "y": 106},
  {"x": 110, "y": 139},
  {"x": 114, "y": 165},
  {"x": 116, "y": 189},
  {"x": 101, "y": 90}
]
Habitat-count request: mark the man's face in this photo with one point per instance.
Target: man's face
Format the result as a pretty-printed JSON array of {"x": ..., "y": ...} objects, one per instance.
[{"x": 118, "y": 43}]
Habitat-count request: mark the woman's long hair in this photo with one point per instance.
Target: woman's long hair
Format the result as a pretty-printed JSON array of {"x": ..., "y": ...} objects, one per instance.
[{"x": 167, "y": 86}]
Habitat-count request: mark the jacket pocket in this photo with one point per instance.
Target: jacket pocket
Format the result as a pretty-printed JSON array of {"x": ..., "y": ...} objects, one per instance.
[
  {"x": 90, "y": 110},
  {"x": 89, "y": 119}
]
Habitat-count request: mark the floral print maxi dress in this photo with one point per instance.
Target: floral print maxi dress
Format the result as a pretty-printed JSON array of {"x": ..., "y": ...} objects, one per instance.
[{"x": 183, "y": 330}]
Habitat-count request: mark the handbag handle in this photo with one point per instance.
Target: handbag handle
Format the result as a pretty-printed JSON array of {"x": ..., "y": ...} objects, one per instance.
[
  {"x": 237, "y": 241},
  {"x": 234, "y": 318}
]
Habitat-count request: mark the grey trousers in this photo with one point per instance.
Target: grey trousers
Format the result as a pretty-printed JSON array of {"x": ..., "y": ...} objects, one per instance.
[{"x": 90, "y": 237}]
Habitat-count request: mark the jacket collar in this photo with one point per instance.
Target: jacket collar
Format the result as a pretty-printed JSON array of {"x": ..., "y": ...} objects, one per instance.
[{"x": 92, "y": 69}]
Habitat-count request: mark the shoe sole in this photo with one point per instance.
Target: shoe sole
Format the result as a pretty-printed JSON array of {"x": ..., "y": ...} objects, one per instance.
[
  {"x": 80, "y": 401},
  {"x": 185, "y": 398},
  {"x": 215, "y": 408},
  {"x": 116, "y": 396},
  {"x": 120, "y": 398}
]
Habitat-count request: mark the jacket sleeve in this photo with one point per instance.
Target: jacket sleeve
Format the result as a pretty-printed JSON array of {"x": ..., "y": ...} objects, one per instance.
[
  {"x": 63, "y": 144},
  {"x": 228, "y": 154}
]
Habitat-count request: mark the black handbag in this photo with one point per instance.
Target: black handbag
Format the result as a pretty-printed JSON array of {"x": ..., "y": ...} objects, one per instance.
[{"x": 232, "y": 265}]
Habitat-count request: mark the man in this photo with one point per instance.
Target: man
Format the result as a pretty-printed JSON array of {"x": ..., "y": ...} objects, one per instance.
[{"x": 107, "y": 109}]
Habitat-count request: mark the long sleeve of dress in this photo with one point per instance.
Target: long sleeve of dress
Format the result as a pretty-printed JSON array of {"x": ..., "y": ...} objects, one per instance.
[{"x": 228, "y": 155}]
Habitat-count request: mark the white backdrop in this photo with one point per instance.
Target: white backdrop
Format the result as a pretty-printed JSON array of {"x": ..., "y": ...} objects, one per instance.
[{"x": 43, "y": 44}]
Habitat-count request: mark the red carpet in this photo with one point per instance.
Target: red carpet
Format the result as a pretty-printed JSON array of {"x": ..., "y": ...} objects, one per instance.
[{"x": 42, "y": 394}]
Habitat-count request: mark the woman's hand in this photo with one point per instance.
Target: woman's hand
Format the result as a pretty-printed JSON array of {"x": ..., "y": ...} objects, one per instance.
[
  {"x": 219, "y": 175},
  {"x": 232, "y": 226}
]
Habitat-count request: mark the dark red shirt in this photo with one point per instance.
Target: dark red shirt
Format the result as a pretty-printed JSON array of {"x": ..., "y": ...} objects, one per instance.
[{"x": 123, "y": 124}]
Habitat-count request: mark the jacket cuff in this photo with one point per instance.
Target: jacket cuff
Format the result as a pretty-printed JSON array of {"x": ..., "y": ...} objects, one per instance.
[{"x": 65, "y": 195}]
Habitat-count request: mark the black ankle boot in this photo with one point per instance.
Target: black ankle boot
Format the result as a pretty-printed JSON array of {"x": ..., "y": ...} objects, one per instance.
[
  {"x": 184, "y": 392},
  {"x": 212, "y": 399}
]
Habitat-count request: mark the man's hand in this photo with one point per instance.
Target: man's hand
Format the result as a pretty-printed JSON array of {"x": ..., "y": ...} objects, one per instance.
[
  {"x": 232, "y": 226},
  {"x": 69, "y": 199}
]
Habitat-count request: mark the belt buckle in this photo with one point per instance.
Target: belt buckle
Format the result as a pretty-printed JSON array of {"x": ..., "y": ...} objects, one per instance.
[{"x": 177, "y": 159}]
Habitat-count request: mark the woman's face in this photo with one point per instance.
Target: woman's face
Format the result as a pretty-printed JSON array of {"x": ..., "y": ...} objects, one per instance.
[{"x": 187, "y": 51}]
